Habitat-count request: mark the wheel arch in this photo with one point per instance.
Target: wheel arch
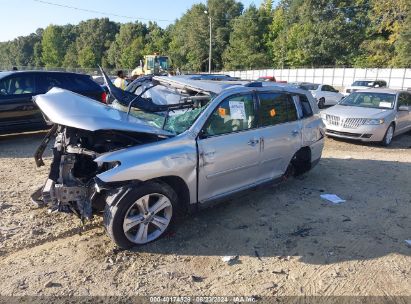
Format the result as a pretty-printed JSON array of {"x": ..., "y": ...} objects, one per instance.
[
  {"x": 179, "y": 186},
  {"x": 301, "y": 160}
]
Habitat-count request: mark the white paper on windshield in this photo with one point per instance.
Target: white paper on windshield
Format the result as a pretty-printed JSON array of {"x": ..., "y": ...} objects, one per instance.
[
  {"x": 237, "y": 110},
  {"x": 335, "y": 199},
  {"x": 384, "y": 104}
]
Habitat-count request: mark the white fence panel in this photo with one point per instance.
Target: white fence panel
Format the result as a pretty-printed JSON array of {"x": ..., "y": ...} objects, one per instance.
[{"x": 338, "y": 77}]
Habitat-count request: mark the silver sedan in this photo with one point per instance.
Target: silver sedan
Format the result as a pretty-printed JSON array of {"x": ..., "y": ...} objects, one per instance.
[{"x": 370, "y": 115}]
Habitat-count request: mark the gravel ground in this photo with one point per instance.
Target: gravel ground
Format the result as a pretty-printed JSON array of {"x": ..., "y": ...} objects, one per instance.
[{"x": 288, "y": 241}]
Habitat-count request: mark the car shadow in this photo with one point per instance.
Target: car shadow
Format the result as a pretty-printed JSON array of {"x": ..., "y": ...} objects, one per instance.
[{"x": 291, "y": 220}]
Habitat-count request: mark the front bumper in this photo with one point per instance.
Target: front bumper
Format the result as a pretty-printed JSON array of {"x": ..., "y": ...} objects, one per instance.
[{"x": 365, "y": 133}]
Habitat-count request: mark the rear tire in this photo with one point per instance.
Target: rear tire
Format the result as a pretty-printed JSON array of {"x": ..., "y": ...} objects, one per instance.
[
  {"x": 142, "y": 215},
  {"x": 389, "y": 134},
  {"x": 321, "y": 103}
]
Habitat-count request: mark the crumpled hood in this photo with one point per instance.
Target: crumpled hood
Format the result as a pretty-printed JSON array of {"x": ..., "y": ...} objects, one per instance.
[
  {"x": 356, "y": 112},
  {"x": 73, "y": 110}
]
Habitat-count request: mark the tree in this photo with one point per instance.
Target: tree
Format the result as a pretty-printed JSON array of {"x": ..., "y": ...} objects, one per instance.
[
  {"x": 128, "y": 47},
  {"x": 53, "y": 46},
  {"x": 189, "y": 42},
  {"x": 387, "y": 23},
  {"x": 97, "y": 35},
  {"x": 403, "y": 45},
  {"x": 246, "y": 48}
]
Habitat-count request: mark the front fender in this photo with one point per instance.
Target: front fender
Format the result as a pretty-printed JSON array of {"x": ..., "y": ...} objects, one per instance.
[{"x": 167, "y": 158}]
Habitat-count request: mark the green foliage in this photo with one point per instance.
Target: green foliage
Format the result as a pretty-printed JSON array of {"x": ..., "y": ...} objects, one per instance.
[
  {"x": 128, "y": 46},
  {"x": 294, "y": 33},
  {"x": 246, "y": 48}
]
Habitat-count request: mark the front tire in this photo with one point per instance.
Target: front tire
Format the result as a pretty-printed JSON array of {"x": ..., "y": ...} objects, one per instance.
[
  {"x": 142, "y": 215},
  {"x": 389, "y": 134},
  {"x": 321, "y": 103}
]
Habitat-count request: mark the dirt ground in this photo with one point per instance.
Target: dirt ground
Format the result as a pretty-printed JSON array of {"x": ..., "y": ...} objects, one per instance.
[{"x": 288, "y": 240}]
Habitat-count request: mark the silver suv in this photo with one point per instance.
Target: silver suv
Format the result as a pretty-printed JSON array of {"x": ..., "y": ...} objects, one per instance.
[{"x": 172, "y": 144}]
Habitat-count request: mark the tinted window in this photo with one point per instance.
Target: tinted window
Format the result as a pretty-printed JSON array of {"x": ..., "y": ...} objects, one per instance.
[
  {"x": 309, "y": 87},
  {"x": 46, "y": 81},
  {"x": 17, "y": 85},
  {"x": 327, "y": 88},
  {"x": 305, "y": 106},
  {"x": 276, "y": 108},
  {"x": 404, "y": 99},
  {"x": 81, "y": 83},
  {"x": 234, "y": 114}
]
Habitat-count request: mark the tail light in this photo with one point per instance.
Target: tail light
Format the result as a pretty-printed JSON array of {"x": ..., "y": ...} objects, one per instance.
[{"x": 104, "y": 97}]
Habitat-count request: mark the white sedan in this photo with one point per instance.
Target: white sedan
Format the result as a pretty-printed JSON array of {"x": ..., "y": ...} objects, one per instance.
[{"x": 325, "y": 94}]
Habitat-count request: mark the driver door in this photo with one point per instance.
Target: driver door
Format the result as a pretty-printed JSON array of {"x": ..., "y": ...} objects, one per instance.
[{"x": 229, "y": 148}]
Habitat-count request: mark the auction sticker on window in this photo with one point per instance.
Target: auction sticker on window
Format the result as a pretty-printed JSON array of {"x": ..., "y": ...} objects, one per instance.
[{"x": 237, "y": 110}]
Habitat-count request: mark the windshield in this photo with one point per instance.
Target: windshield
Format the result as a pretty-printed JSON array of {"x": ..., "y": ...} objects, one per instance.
[
  {"x": 309, "y": 87},
  {"x": 363, "y": 84},
  {"x": 163, "y": 61},
  {"x": 176, "y": 121},
  {"x": 369, "y": 100}
]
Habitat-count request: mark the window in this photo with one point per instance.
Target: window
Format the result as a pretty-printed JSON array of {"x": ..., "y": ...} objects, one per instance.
[
  {"x": 80, "y": 83},
  {"x": 234, "y": 114},
  {"x": 305, "y": 106},
  {"x": 276, "y": 108},
  {"x": 47, "y": 81},
  {"x": 328, "y": 88},
  {"x": 17, "y": 85},
  {"x": 404, "y": 99}
]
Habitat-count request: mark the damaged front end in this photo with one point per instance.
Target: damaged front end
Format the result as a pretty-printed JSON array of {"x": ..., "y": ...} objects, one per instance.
[{"x": 72, "y": 185}]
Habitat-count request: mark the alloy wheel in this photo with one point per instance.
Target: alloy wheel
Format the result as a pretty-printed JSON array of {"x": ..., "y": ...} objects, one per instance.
[{"x": 147, "y": 218}]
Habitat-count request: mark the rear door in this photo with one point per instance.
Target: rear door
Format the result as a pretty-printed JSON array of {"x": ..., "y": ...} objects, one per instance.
[
  {"x": 229, "y": 148},
  {"x": 329, "y": 94},
  {"x": 16, "y": 105},
  {"x": 280, "y": 133}
]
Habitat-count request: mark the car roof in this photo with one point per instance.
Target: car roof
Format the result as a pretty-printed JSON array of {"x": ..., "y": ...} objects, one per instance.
[
  {"x": 218, "y": 87},
  {"x": 4, "y": 74}
]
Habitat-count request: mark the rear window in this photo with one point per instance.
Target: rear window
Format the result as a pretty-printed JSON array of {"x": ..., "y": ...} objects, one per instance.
[
  {"x": 82, "y": 83},
  {"x": 72, "y": 82}
]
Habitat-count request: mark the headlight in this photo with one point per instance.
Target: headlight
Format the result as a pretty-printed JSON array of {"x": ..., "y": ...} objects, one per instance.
[
  {"x": 323, "y": 115},
  {"x": 374, "y": 122}
]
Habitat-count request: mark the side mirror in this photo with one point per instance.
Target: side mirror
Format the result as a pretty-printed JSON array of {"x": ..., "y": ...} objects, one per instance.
[
  {"x": 202, "y": 134},
  {"x": 3, "y": 92},
  {"x": 403, "y": 108}
]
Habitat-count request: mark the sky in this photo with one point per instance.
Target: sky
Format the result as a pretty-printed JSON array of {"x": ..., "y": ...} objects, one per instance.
[{"x": 22, "y": 17}]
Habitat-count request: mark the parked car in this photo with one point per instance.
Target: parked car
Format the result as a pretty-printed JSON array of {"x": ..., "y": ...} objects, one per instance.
[
  {"x": 325, "y": 95},
  {"x": 144, "y": 168},
  {"x": 17, "y": 110},
  {"x": 365, "y": 84},
  {"x": 270, "y": 79},
  {"x": 370, "y": 115}
]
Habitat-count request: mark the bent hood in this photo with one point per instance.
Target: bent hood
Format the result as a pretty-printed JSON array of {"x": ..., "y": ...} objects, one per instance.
[{"x": 73, "y": 110}]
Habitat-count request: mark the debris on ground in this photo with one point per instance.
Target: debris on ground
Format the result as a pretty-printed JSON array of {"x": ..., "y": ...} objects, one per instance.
[
  {"x": 333, "y": 198},
  {"x": 230, "y": 259}
]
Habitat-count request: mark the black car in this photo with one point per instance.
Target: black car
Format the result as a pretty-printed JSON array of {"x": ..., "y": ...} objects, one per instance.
[{"x": 17, "y": 88}]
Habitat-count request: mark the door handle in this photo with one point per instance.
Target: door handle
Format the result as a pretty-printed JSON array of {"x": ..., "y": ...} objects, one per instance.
[
  {"x": 253, "y": 142},
  {"x": 209, "y": 153}
]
